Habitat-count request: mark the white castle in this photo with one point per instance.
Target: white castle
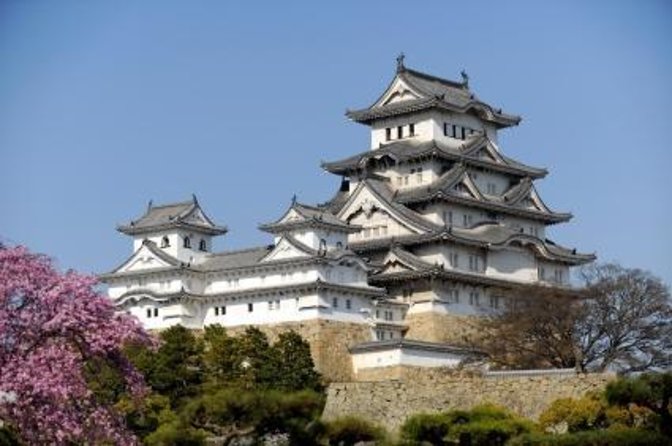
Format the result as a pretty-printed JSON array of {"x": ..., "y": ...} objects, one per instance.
[{"x": 431, "y": 226}]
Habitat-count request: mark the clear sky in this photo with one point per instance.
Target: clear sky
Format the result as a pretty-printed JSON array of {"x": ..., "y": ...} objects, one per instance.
[{"x": 107, "y": 104}]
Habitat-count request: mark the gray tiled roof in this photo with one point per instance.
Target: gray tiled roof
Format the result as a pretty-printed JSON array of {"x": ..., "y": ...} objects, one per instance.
[
  {"x": 171, "y": 216},
  {"x": 412, "y": 344},
  {"x": 403, "y": 151},
  {"x": 443, "y": 188},
  {"x": 235, "y": 259},
  {"x": 435, "y": 92},
  {"x": 311, "y": 216},
  {"x": 488, "y": 235}
]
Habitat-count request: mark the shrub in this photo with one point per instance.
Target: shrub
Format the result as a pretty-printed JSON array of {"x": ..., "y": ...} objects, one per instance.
[
  {"x": 492, "y": 432},
  {"x": 349, "y": 430},
  {"x": 431, "y": 428},
  {"x": 625, "y": 437},
  {"x": 580, "y": 414}
]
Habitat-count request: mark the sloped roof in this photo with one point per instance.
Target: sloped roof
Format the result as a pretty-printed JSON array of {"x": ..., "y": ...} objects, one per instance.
[
  {"x": 443, "y": 188},
  {"x": 409, "y": 150},
  {"x": 310, "y": 216},
  {"x": 435, "y": 92},
  {"x": 186, "y": 214},
  {"x": 490, "y": 235}
]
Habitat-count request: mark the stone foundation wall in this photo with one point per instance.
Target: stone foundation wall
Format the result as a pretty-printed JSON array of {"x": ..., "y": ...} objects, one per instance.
[
  {"x": 391, "y": 402},
  {"x": 437, "y": 327},
  {"x": 329, "y": 343}
]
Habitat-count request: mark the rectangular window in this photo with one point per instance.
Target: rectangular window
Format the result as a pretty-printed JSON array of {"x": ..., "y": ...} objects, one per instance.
[
  {"x": 445, "y": 129},
  {"x": 453, "y": 259},
  {"x": 492, "y": 188},
  {"x": 270, "y": 304},
  {"x": 454, "y": 131},
  {"x": 411, "y": 129},
  {"x": 542, "y": 273},
  {"x": 494, "y": 302},
  {"x": 400, "y": 132},
  {"x": 223, "y": 310},
  {"x": 406, "y": 180},
  {"x": 149, "y": 312},
  {"x": 456, "y": 296},
  {"x": 277, "y": 304},
  {"x": 474, "y": 298},
  {"x": 418, "y": 174},
  {"x": 334, "y": 302},
  {"x": 377, "y": 314},
  {"x": 250, "y": 308},
  {"x": 348, "y": 304},
  {"x": 388, "y": 134},
  {"x": 216, "y": 311},
  {"x": 156, "y": 312},
  {"x": 400, "y": 181},
  {"x": 463, "y": 136},
  {"x": 448, "y": 217}
]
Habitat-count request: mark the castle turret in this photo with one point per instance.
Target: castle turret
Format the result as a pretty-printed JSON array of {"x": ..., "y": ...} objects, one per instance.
[{"x": 181, "y": 230}]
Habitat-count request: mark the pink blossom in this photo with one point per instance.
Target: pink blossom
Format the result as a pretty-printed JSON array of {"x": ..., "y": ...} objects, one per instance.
[{"x": 50, "y": 324}]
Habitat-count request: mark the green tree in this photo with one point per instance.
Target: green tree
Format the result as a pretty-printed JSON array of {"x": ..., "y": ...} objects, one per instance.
[
  {"x": 294, "y": 367},
  {"x": 651, "y": 390},
  {"x": 174, "y": 369}
]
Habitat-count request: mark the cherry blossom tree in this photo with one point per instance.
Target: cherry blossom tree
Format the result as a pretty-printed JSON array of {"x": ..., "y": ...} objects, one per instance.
[{"x": 51, "y": 326}]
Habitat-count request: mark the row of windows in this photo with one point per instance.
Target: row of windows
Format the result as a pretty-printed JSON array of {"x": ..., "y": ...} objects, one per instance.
[
  {"x": 404, "y": 180},
  {"x": 388, "y": 315},
  {"x": 400, "y": 134},
  {"x": 186, "y": 243},
  {"x": 381, "y": 335},
  {"x": 348, "y": 303},
  {"x": 457, "y": 131},
  {"x": 152, "y": 312},
  {"x": 474, "y": 298},
  {"x": 558, "y": 275},
  {"x": 375, "y": 231}
]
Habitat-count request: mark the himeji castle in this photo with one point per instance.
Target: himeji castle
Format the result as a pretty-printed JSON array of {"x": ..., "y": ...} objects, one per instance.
[{"x": 432, "y": 226}]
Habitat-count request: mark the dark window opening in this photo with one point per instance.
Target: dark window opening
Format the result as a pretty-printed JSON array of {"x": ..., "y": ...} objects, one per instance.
[
  {"x": 400, "y": 132},
  {"x": 445, "y": 129},
  {"x": 202, "y": 245},
  {"x": 187, "y": 242},
  {"x": 165, "y": 242},
  {"x": 149, "y": 312},
  {"x": 454, "y": 131},
  {"x": 463, "y": 133},
  {"x": 250, "y": 308},
  {"x": 156, "y": 312},
  {"x": 411, "y": 129},
  {"x": 388, "y": 134},
  {"x": 348, "y": 304}
]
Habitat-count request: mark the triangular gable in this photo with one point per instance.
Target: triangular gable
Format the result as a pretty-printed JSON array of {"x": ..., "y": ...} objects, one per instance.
[
  {"x": 466, "y": 186},
  {"x": 292, "y": 215},
  {"x": 146, "y": 258},
  {"x": 398, "y": 91},
  {"x": 394, "y": 263},
  {"x": 196, "y": 216},
  {"x": 286, "y": 249},
  {"x": 364, "y": 199}
]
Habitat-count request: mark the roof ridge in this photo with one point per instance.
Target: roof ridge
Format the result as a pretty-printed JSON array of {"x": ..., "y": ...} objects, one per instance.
[
  {"x": 432, "y": 77},
  {"x": 177, "y": 203},
  {"x": 240, "y": 251}
]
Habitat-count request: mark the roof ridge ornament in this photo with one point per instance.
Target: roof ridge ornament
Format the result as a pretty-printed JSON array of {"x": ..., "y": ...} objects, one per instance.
[
  {"x": 149, "y": 205},
  {"x": 465, "y": 79},
  {"x": 194, "y": 199},
  {"x": 400, "y": 62}
]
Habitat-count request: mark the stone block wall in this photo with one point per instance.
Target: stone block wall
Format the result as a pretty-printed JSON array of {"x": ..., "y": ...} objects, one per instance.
[
  {"x": 390, "y": 402},
  {"x": 439, "y": 327}
]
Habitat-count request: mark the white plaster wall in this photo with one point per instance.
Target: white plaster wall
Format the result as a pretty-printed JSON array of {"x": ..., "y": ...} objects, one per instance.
[
  {"x": 405, "y": 357},
  {"x": 423, "y": 129},
  {"x": 512, "y": 264}
]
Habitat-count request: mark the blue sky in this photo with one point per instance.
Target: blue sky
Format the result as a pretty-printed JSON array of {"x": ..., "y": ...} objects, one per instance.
[{"x": 105, "y": 105}]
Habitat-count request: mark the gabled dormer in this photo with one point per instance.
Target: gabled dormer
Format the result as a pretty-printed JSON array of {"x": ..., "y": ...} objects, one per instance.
[
  {"x": 314, "y": 227},
  {"x": 421, "y": 107},
  {"x": 182, "y": 230}
]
